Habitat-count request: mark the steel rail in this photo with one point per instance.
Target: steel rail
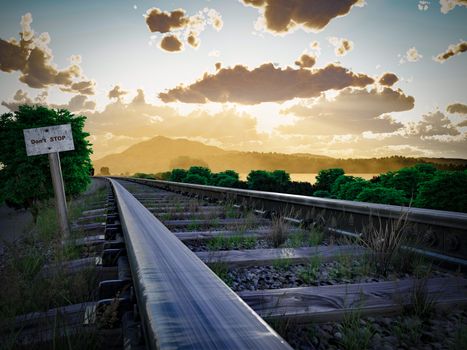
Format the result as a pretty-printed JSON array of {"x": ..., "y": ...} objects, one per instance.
[
  {"x": 442, "y": 232},
  {"x": 182, "y": 303}
]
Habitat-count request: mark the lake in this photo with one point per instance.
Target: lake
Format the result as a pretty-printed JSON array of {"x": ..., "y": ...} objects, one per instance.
[{"x": 311, "y": 178}]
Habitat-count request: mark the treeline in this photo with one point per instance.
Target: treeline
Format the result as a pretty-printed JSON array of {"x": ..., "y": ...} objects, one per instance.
[{"x": 421, "y": 185}]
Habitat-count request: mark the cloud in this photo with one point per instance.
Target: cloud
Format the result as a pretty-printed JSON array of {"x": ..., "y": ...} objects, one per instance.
[
  {"x": 434, "y": 124},
  {"x": 121, "y": 124},
  {"x": 32, "y": 57},
  {"x": 448, "y": 5},
  {"x": 341, "y": 46},
  {"x": 423, "y": 5},
  {"x": 306, "y": 61},
  {"x": 116, "y": 92},
  {"x": 452, "y": 50},
  {"x": 192, "y": 40},
  {"x": 412, "y": 55},
  {"x": 164, "y": 22},
  {"x": 352, "y": 111},
  {"x": 171, "y": 43},
  {"x": 281, "y": 16},
  {"x": 177, "y": 24},
  {"x": 76, "y": 103},
  {"x": 218, "y": 65},
  {"x": 459, "y": 108},
  {"x": 266, "y": 83},
  {"x": 388, "y": 79}
]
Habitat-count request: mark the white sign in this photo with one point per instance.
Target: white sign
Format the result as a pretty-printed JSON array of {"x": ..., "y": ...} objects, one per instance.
[{"x": 50, "y": 139}]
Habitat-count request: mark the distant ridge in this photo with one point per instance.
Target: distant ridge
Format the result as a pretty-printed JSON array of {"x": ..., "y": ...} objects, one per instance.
[{"x": 161, "y": 154}]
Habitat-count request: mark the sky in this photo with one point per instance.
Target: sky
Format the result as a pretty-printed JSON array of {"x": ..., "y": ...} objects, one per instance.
[{"x": 342, "y": 78}]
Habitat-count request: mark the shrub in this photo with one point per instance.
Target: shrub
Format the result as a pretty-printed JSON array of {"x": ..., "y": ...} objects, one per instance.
[
  {"x": 195, "y": 179},
  {"x": 326, "y": 178},
  {"x": 322, "y": 194},
  {"x": 350, "y": 190},
  {"x": 303, "y": 188},
  {"x": 177, "y": 175},
  {"x": 408, "y": 179},
  {"x": 447, "y": 190},
  {"x": 383, "y": 195},
  {"x": 144, "y": 176},
  {"x": 262, "y": 180}
]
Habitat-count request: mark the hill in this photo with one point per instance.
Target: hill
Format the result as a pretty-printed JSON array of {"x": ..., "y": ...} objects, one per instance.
[{"x": 162, "y": 154}]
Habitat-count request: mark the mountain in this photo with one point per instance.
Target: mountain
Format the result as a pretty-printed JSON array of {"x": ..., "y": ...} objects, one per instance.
[{"x": 161, "y": 154}]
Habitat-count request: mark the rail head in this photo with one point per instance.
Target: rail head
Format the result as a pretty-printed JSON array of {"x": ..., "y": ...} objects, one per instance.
[
  {"x": 456, "y": 220},
  {"x": 183, "y": 304}
]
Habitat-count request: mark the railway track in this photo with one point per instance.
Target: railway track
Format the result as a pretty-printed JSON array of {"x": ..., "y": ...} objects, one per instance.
[
  {"x": 280, "y": 281},
  {"x": 188, "y": 266}
]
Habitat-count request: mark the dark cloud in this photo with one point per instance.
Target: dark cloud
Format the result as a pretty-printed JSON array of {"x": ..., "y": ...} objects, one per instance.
[
  {"x": 164, "y": 22},
  {"x": 459, "y": 108},
  {"x": 452, "y": 50},
  {"x": 462, "y": 124},
  {"x": 76, "y": 103},
  {"x": 176, "y": 23},
  {"x": 434, "y": 124},
  {"x": 171, "y": 43},
  {"x": 306, "y": 61},
  {"x": 341, "y": 46},
  {"x": 116, "y": 92},
  {"x": 33, "y": 58},
  {"x": 351, "y": 112},
  {"x": 193, "y": 40},
  {"x": 283, "y": 15},
  {"x": 266, "y": 83},
  {"x": 388, "y": 79}
]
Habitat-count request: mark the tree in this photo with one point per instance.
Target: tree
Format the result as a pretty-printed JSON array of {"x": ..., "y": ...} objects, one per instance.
[
  {"x": 408, "y": 179},
  {"x": 326, "y": 178},
  {"x": 105, "y": 170},
  {"x": 200, "y": 171},
  {"x": 24, "y": 181},
  {"x": 447, "y": 190},
  {"x": 177, "y": 175},
  {"x": 382, "y": 195},
  {"x": 351, "y": 189},
  {"x": 195, "y": 179}
]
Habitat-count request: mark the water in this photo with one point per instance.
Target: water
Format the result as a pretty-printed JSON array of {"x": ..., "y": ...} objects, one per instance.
[{"x": 311, "y": 178}]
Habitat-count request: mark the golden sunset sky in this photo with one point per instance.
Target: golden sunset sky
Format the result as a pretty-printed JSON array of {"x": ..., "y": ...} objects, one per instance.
[{"x": 342, "y": 78}]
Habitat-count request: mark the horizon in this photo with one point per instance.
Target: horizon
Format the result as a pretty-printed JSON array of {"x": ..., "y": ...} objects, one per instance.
[{"x": 359, "y": 79}]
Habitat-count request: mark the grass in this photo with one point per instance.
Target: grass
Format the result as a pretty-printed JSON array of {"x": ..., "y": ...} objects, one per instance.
[
  {"x": 385, "y": 240},
  {"x": 408, "y": 330},
  {"x": 278, "y": 234},
  {"x": 344, "y": 268},
  {"x": 310, "y": 272},
  {"x": 29, "y": 290},
  {"x": 281, "y": 263},
  {"x": 355, "y": 336},
  {"x": 221, "y": 269},
  {"x": 310, "y": 238},
  {"x": 233, "y": 242}
]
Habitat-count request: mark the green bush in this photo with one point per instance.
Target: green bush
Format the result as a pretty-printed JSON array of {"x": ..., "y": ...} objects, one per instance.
[
  {"x": 408, "y": 179},
  {"x": 262, "y": 180},
  {"x": 447, "y": 190},
  {"x": 322, "y": 194},
  {"x": 177, "y": 175},
  {"x": 383, "y": 195},
  {"x": 144, "y": 176},
  {"x": 350, "y": 190},
  {"x": 326, "y": 178},
  {"x": 195, "y": 179}
]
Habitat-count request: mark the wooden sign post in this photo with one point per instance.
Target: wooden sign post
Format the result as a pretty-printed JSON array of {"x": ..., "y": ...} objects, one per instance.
[{"x": 51, "y": 140}]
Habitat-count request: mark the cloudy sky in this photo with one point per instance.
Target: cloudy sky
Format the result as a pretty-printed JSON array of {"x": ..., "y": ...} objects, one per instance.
[{"x": 344, "y": 78}]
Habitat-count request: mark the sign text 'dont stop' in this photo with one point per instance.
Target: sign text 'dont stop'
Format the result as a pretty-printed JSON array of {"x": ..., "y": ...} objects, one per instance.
[{"x": 49, "y": 139}]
